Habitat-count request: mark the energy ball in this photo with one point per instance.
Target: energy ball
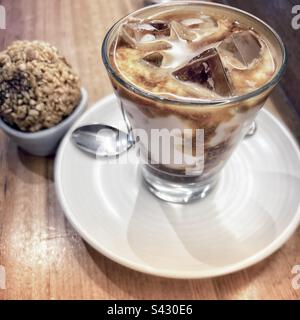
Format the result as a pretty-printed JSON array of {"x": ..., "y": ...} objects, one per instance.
[{"x": 38, "y": 88}]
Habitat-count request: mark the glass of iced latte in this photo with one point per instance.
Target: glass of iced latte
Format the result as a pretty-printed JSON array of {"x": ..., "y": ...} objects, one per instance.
[{"x": 192, "y": 76}]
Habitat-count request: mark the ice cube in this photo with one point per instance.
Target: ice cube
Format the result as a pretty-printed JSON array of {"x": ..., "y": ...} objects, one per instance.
[
  {"x": 161, "y": 27},
  {"x": 178, "y": 30},
  {"x": 203, "y": 22},
  {"x": 155, "y": 28},
  {"x": 154, "y": 58},
  {"x": 211, "y": 36},
  {"x": 191, "y": 22},
  {"x": 241, "y": 49},
  {"x": 159, "y": 59},
  {"x": 207, "y": 70},
  {"x": 141, "y": 40},
  {"x": 125, "y": 38}
]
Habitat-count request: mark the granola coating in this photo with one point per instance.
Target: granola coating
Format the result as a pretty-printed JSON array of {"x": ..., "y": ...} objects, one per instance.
[{"x": 38, "y": 87}]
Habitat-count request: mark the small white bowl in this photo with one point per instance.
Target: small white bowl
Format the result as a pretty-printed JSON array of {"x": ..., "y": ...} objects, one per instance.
[{"x": 44, "y": 142}]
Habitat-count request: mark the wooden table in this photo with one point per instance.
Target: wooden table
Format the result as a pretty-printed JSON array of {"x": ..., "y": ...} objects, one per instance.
[{"x": 43, "y": 256}]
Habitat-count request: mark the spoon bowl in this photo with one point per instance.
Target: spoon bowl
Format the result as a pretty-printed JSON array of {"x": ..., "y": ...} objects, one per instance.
[{"x": 101, "y": 140}]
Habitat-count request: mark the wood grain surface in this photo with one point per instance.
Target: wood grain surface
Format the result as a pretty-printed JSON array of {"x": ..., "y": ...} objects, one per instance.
[{"x": 43, "y": 256}]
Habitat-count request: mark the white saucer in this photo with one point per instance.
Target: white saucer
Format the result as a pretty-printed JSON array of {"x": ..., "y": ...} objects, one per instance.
[{"x": 251, "y": 213}]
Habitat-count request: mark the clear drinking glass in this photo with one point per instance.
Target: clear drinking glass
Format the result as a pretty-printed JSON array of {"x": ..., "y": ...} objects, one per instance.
[{"x": 225, "y": 122}]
